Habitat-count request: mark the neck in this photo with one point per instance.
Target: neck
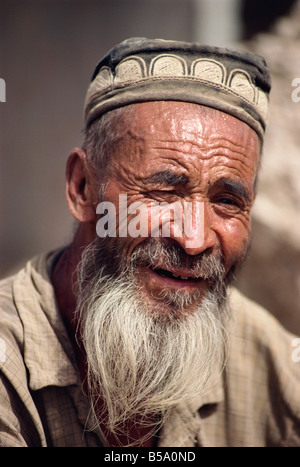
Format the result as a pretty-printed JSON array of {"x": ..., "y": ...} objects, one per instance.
[{"x": 64, "y": 277}]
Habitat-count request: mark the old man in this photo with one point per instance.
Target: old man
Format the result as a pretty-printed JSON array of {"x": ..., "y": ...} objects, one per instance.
[{"x": 133, "y": 335}]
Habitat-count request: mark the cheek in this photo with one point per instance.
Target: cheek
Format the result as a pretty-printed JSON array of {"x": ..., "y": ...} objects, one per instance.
[
  {"x": 234, "y": 236},
  {"x": 133, "y": 223}
]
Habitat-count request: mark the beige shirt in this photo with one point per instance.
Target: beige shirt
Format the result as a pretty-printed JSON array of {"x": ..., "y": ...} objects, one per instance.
[{"x": 255, "y": 403}]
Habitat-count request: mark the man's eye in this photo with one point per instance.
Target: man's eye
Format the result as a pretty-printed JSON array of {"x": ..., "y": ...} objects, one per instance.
[{"x": 229, "y": 202}]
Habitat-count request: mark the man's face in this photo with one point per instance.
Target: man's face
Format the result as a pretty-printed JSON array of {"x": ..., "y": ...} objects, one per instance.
[
  {"x": 152, "y": 310},
  {"x": 182, "y": 153}
]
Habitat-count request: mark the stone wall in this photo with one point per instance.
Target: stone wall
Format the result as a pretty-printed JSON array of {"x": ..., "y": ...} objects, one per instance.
[{"x": 272, "y": 273}]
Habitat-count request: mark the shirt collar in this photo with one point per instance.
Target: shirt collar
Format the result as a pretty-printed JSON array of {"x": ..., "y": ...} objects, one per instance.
[{"x": 48, "y": 352}]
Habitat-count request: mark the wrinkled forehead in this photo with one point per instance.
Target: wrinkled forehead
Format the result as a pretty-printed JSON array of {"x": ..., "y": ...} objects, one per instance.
[
  {"x": 185, "y": 122},
  {"x": 182, "y": 136}
]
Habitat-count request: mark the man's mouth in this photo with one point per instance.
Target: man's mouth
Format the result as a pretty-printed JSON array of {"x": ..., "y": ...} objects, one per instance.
[
  {"x": 175, "y": 275},
  {"x": 158, "y": 278},
  {"x": 160, "y": 270}
]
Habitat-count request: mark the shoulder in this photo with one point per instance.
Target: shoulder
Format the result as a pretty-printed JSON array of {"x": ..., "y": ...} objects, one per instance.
[
  {"x": 11, "y": 329},
  {"x": 20, "y": 299},
  {"x": 11, "y": 334},
  {"x": 21, "y": 303},
  {"x": 255, "y": 325},
  {"x": 262, "y": 370}
]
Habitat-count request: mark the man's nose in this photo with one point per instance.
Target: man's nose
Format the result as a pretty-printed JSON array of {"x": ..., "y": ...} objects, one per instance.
[{"x": 193, "y": 232}]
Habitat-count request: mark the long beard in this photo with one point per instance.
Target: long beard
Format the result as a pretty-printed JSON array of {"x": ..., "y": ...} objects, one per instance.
[{"x": 141, "y": 363}]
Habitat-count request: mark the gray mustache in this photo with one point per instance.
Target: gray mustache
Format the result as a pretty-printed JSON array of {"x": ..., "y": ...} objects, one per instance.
[{"x": 169, "y": 255}]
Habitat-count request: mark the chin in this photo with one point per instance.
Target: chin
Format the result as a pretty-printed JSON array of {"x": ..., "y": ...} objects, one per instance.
[{"x": 168, "y": 304}]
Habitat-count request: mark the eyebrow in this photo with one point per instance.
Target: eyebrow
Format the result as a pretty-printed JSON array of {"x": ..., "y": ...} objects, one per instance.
[
  {"x": 172, "y": 179},
  {"x": 168, "y": 178},
  {"x": 234, "y": 187}
]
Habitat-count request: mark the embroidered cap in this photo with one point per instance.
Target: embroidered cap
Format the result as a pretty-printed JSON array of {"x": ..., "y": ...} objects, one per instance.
[{"x": 140, "y": 70}]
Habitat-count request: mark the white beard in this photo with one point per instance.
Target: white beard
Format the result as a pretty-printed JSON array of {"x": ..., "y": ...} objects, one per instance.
[{"x": 141, "y": 366}]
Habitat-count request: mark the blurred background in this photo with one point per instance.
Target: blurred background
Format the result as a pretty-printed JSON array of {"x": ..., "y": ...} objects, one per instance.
[{"x": 48, "y": 50}]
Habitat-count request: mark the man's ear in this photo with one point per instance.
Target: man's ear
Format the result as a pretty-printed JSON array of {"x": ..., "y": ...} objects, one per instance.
[{"x": 80, "y": 196}]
